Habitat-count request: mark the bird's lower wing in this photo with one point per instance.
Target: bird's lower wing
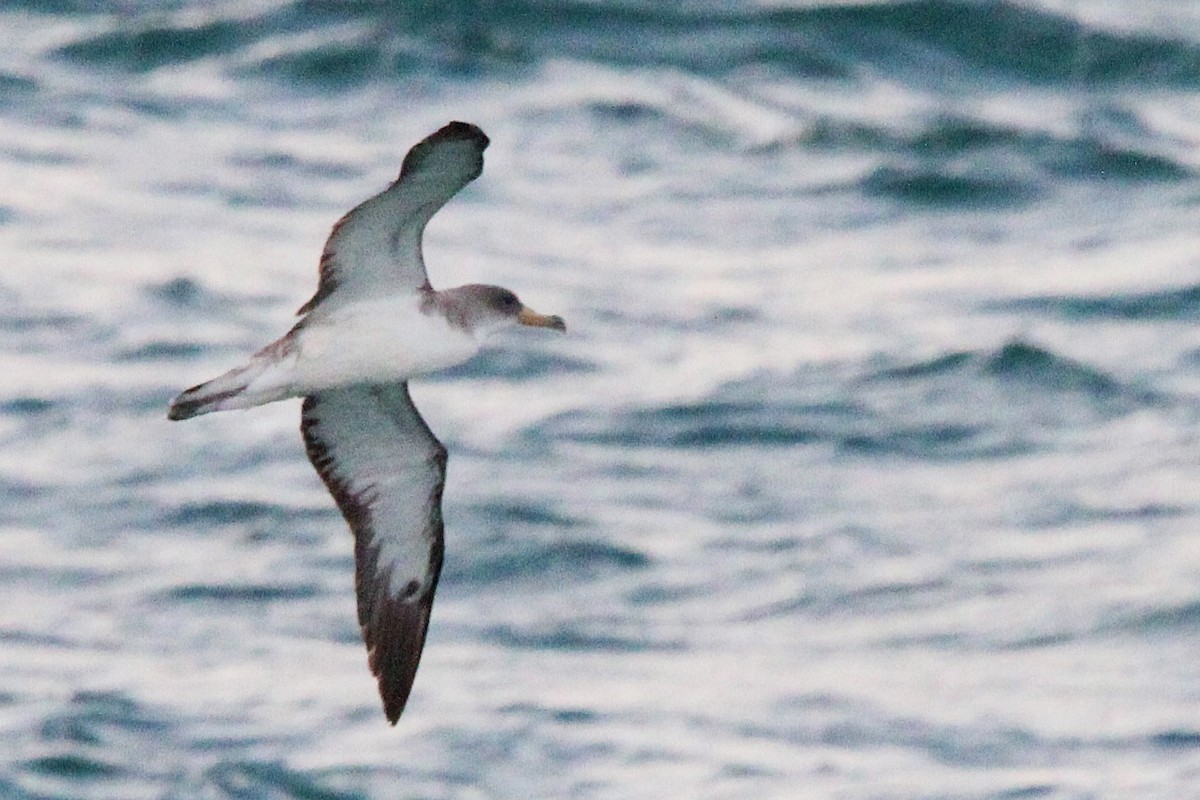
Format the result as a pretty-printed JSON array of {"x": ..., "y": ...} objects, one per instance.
[{"x": 386, "y": 470}]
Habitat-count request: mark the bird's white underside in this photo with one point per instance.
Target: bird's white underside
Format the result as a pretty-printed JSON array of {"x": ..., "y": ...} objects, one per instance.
[{"x": 373, "y": 341}]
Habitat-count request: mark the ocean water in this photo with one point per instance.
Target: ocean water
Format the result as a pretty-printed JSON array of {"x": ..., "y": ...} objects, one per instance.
[{"x": 869, "y": 468}]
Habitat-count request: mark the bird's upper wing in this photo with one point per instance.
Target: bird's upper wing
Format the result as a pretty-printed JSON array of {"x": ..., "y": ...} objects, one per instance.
[
  {"x": 376, "y": 247},
  {"x": 386, "y": 471}
]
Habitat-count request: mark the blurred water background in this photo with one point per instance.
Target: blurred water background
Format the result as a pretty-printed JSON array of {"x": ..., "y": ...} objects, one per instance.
[{"x": 868, "y": 469}]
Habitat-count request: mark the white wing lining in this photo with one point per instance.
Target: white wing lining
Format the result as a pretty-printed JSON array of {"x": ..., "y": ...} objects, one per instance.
[{"x": 386, "y": 471}]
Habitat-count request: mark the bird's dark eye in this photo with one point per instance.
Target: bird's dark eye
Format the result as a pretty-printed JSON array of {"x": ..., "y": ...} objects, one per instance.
[{"x": 509, "y": 301}]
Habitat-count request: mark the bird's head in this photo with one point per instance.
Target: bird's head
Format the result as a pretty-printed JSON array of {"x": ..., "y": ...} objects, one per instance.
[{"x": 486, "y": 309}]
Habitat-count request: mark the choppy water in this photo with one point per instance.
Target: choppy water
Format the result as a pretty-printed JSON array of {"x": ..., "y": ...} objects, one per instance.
[{"x": 869, "y": 468}]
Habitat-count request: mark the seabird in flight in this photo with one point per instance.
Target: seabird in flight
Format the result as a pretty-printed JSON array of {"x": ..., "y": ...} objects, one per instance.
[{"x": 373, "y": 323}]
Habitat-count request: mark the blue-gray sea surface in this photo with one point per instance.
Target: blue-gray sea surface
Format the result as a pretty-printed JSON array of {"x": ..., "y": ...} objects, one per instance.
[{"x": 869, "y": 468}]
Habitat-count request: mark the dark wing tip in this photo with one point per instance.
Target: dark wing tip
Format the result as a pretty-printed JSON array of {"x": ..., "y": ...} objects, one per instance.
[
  {"x": 395, "y": 640},
  {"x": 461, "y": 131},
  {"x": 454, "y": 132}
]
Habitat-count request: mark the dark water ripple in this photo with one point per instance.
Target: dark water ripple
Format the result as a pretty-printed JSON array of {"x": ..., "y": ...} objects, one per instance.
[
  {"x": 1022, "y": 43},
  {"x": 838, "y": 722},
  {"x": 275, "y": 161},
  {"x": 525, "y": 515},
  {"x": 913, "y": 39},
  {"x": 1159, "y": 620},
  {"x": 149, "y": 46},
  {"x": 239, "y": 594},
  {"x": 226, "y": 512},
  {"x": 93, "y": 718},
  {"x": 16, "y": 86},
  {"x": 101, "y": 743},
  {"x": 959, "y": 164},
  {"x": 549, "y": 563},
  {"x": 576, "y": 638},
  {"x": 256, "y": 779},
  {"x": 162, "y": 351},
  {"x": 1042, "y": 370},
  {"x": 26, "y": 407},
  {"x": 34, "y": 330},
  {"x": 171, "y": 298},
  {"x": 1177, "y": 739},
  {"x": 1076, "y": 513},
  {"x": 73, "y": 767},
  {"x": 1167, "y": 304},
  {"x": 704, "y": 424},
  {"x": 931, "y": 186},
  {"x": 874, "y": 599},
  {"x": 1098, "y": 159},
  {"x": 932, "y": 408}
]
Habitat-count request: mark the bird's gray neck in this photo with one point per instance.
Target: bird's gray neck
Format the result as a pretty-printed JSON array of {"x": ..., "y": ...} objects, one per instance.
[{"x": 452, "y": 304}]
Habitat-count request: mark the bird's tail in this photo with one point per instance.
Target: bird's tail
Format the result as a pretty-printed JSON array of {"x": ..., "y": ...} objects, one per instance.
[{"x": 246, "y": 386}]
